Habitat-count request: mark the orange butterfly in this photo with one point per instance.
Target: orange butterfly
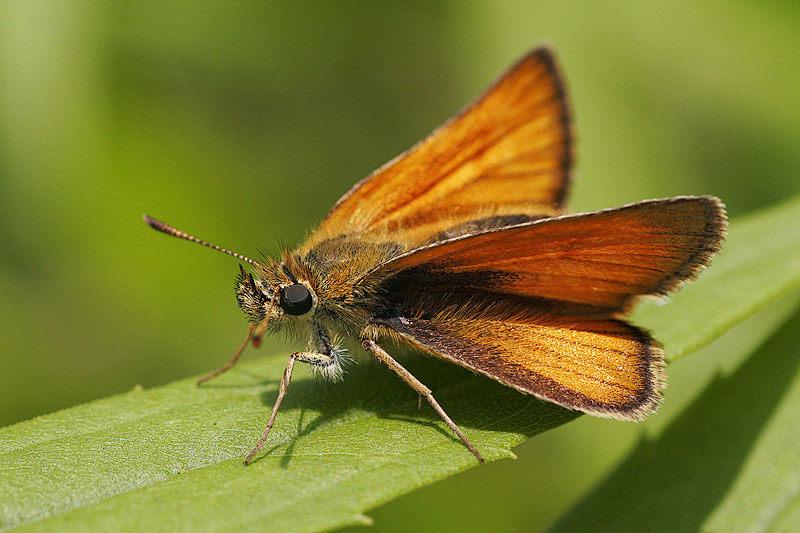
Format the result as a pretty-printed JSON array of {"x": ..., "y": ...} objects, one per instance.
[{"x": 460, "y": 248}]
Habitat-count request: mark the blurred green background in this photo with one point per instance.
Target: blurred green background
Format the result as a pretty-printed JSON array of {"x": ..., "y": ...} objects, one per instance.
[{"x": 243, "y": 122}]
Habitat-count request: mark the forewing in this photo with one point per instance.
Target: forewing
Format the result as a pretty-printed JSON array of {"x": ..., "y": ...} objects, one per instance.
[
  {"x": 509, "y": 152},
  {"x": 601, "y": 259},
  {"x": 603, "y": 367}
]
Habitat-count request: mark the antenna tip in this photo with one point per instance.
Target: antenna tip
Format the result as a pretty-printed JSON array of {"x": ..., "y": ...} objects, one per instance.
[
  {"x": 157, "y": 224},
  {"x": 150, "y": 221}
]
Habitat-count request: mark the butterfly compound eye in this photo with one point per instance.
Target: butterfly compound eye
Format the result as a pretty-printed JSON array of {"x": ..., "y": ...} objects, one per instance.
[{"x": 296, "y": 300}]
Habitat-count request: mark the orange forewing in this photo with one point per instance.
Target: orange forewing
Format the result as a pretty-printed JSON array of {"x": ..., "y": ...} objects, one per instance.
[
  {"x": 601, "y": 259},
  {"x": 507, "y": 152},
  {"x": 603, "y": 367}
]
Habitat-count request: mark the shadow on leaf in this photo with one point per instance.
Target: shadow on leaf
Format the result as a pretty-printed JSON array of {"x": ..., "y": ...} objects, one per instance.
[{"x": 474, "y": 402}]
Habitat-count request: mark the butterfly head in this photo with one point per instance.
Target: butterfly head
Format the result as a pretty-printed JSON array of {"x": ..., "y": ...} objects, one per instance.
[{"x": 272, "y": 295}]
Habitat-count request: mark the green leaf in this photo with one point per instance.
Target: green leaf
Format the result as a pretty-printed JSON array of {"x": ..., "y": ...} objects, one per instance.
[
  {"x": 729, "y": 463},
  {"x": 170, "y": 458}
]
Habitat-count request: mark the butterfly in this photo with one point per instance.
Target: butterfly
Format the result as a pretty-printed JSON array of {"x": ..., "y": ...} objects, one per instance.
[{"x": 461, "y": 248}]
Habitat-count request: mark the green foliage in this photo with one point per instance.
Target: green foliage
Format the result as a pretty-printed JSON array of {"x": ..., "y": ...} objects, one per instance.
[{"x": 170, "y": 458}]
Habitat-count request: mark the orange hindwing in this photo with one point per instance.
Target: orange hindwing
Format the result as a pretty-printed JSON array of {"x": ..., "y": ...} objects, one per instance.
[{"x": 603, "y": 367}]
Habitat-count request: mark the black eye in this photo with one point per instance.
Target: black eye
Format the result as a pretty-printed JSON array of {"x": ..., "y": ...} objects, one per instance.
[{"x": 296, "y": 300}]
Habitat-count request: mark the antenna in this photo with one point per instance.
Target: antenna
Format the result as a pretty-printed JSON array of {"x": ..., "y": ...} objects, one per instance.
[{"x": 169, "y": 230}]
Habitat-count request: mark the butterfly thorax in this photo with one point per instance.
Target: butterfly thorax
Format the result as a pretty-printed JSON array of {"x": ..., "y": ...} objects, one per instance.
[{"x": 337, "y": 271}]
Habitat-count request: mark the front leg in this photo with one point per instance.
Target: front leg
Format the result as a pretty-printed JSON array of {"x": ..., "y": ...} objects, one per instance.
[
  {"x": 325, "y": 358},
  {"x": 286, "y": 379}
]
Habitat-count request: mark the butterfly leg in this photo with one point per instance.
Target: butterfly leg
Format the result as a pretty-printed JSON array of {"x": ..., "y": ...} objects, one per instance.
[
  {"x": 381, "y": 355},
  {"x": 318, "y": 359},
  {"x": 325, "y": 358}
]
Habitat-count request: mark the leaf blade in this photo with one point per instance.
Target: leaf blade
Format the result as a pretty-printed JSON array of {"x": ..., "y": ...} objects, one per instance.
[{"x": 107, "y": 462}]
